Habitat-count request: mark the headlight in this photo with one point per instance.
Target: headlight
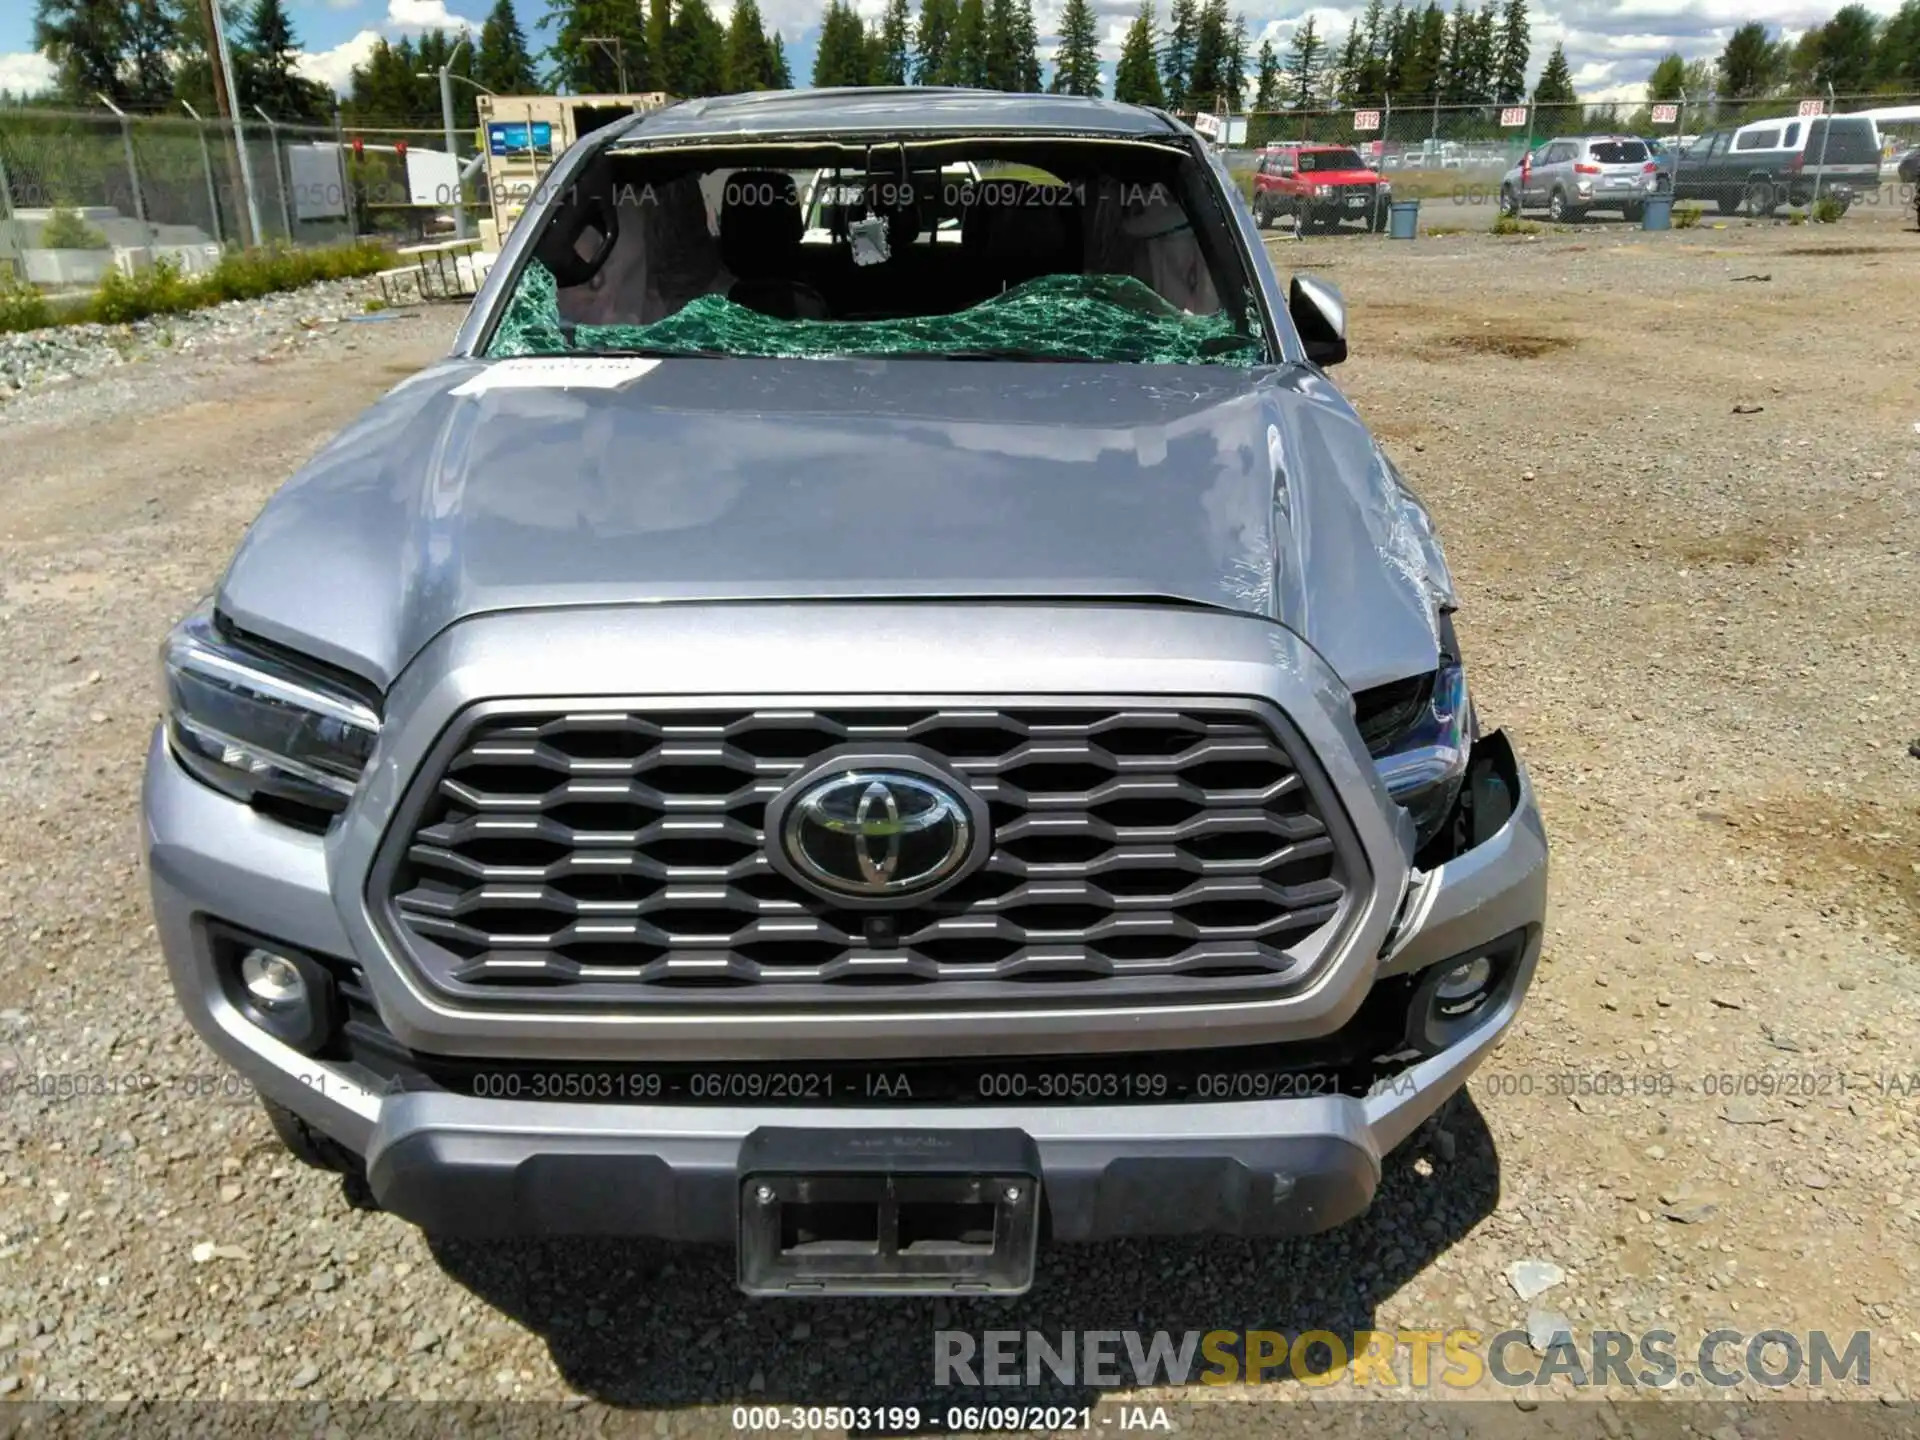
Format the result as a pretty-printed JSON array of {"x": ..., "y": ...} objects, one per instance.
[
  {"x": 258, "y": 726},
  {"x": 1323, "y": 191},
  {"x": 1419, "y": 733}
]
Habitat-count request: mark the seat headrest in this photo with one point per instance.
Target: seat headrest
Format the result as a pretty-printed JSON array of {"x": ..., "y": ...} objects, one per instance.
[{"x": 760, "y": 221}]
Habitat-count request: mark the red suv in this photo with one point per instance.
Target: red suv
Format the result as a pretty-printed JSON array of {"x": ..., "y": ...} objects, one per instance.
[{"x": 1320, "y": 186}]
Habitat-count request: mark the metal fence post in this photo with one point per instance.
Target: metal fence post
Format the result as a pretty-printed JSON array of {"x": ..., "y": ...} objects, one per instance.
[
  {"x": 1821, "y": 164},
  {"x": 279, "y": 172},
  {"x": 133, "y": 170},
  {"x": 346, "y": 180},
  {"x": 206, "y": 166}
]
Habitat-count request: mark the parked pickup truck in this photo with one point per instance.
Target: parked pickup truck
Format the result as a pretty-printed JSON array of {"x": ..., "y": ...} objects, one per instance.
[
  {"x": 993, "y": 763},
  {"x": 1320, "y": 186}
]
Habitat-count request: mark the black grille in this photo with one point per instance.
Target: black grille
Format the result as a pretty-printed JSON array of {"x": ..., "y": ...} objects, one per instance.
[{"x": 624, "y": 851}]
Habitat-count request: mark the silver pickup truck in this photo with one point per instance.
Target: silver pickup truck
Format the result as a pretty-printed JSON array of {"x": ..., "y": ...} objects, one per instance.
[{"x": 874, "y": 753}]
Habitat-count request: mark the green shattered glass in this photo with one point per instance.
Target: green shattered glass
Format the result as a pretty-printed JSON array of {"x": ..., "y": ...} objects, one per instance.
[{"x": 1071, "y": 317}]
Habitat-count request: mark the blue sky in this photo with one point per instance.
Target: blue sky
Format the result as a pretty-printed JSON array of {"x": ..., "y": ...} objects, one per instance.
[{"x": 1612, "y": 44}]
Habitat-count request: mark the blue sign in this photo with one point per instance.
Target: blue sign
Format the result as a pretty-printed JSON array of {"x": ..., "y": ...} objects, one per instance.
[{"x": 519, "y": 137}]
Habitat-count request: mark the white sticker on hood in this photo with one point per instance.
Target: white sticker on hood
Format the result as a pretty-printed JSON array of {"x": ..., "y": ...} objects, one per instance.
[{"x": 556, "y": 372}]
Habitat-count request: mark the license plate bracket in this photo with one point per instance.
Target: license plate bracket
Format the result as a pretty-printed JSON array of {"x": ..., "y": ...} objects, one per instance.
[{"x": 852, "y": 1213}]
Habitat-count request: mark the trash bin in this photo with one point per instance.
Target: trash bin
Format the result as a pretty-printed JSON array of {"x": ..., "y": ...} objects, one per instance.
[
  {"x": 1403, "y": 216},
  {"x": 1657, "y": 213}
]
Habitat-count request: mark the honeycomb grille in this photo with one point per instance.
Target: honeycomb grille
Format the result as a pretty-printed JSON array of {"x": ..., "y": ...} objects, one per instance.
[{"x": 624, "y": 852}]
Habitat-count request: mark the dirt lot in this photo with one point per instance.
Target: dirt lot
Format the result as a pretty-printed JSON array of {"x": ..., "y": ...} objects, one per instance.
[{"x": 1683, "y": 504}]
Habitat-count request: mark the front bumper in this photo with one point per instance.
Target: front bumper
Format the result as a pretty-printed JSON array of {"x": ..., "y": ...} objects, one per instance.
[{"x": 459, "y": 1164}]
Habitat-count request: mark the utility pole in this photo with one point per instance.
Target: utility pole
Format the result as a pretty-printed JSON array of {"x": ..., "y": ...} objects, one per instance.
[
  {"x": 224, "y": 97},
  {"x": 453, "y": 154}
]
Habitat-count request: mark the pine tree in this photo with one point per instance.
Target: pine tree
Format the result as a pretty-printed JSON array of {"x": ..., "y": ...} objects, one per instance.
[
  {"x": 1556, "y": 107},
  {"x": 696, "y": 49},
  {"x": 1234, "y": 78},
  {"x": 659, "y": 29},
  {"x": 1397, "y": 35},
  {"x": 1266, "y": 89},
  {"x": 147, "y": 62},
  {"x": 967, "y": 51},
  {"x": 1370, "y": 84},
  {"x": 1136, "y": 80},
  {"x": 503, "y": 64},
  {"x": 893, "y": 55},
  {"x": 387, "y": 88},
  {"x": 277, "y": 87},
  {"x": 1428, "y": 61},
  {"x": 1176, "y": 60},
  {"x": 1847, "y": 57},
  {"x": 1305, "y": 59},
  {"x": 933, "y": 42},
  {"x": 84, "y": 39},
  {"x": 1752, "y": 64},
  {"x": 1076, "y": 64},
  {"x": 1510, "y": 68},
  {"x": 743, "y": 60},
  {"x": 1456, "y": 86},
  {"x": 587, "y": 67},
  {"x": 1011, "y": 37},
  {"x": 1897, "y": 59},
  {"x": 1348, "y": 69},
  {"x": 841, "y": 58},
  {"x": 436, "y": 48},
  {"x": 1483, "y": 53},
  {"x": 1026, "y": 46},
  {"x": 1205, "y": 83},
  {"x": 779, "y": 73}
]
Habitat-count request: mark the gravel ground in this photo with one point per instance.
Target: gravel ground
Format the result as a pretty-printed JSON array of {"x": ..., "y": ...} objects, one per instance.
[
  {"x": 36, "y": 362},
  {"x": 1682, "y": 510}
]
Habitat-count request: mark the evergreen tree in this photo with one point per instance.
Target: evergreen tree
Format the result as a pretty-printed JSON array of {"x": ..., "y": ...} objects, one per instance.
[
  {"x": 779, "y": 73},
  {"x": 1176, "y": 60},
  {"x": 1512, "y": 54},
  {"x": 841, "y": 58},
  {"x": 1136, "y": 80},
  {"x": 502, "y": 62},
  {"x": 1347, "y": 69},
  {"x": 1266, "y": 86},
  {"x": 84, "y": 39},
  {"x": 967, "y": 51},
  {"x": 1234, "y": 81},
  {"x": 387, "y": 87},
  {"x": 933, "y": 42},
  {"x": 696, "y": 50},
  {"x": 1752, "y": 64},
  {"x": 1456, "y": 83},
  {"x": 586, "y": 67},
  {"x": 1555, "y": 105},
  {"x": 148, "y": 62},
  {"x": 1076, "y": 64},
  {"x": 1846, "y": 51},
  {"x": 743, "y": 59},
  {"x": 1306, "y": 57},
  {"x": 1370, "y": 83},
  {"x": 1398, "y": 35},
  {"x": 1483, "y": 54},
  {"x": 1026, "y": 48},
  {"x": 1667, "y": 79},
  {"x": 1011, "y": 37},
  {"x": 658, "y": 29},
  {"x": 1897, "y": 57},
  {"x": 435, "y": 48},
  {"x": 1427, "y": 63},
  {"x": 277, "y": 87},
  {"x": 1207, "y": 80},
  {"x": 893, "y": 55}
]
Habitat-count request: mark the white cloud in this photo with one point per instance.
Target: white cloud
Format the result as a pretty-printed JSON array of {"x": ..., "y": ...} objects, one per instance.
[
  {"x": 404, "y": 17},
  {"x": 25, "y": 72},
  {"x": 412, "y": 16},
  {"x": 334, "y": 67}
]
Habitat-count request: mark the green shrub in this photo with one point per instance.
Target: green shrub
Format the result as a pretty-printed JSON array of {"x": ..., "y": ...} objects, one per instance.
[
  {"x": 1827, "y": 210},
  {"x": 159, "y": 290},
  {"x": 1685, "y": 217},
  {"x": 21, "y": 306},
  {"x": 1514, "y": 225},
  {"x": 65, "y": 230}
]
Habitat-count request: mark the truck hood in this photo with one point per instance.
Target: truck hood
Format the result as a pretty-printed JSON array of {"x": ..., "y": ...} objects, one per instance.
[{"x": 1254, "y": 491}]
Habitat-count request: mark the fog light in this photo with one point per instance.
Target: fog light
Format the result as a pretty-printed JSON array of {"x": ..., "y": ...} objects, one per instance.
[
  {"x": 1462, "y": 988},
  {"x": 273, "y": 981}
]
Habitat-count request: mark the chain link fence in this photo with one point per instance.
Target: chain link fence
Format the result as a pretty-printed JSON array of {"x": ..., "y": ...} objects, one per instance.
[{"x": 78, "y": 187}]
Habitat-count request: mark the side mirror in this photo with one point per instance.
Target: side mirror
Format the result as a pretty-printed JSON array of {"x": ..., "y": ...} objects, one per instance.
[{"x": 1320, "y": 315}]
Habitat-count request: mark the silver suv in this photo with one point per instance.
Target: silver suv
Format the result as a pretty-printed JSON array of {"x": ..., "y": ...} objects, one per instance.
[
  {"x": 868, "y": 751},
  {"x": 1571, "y": 176}
]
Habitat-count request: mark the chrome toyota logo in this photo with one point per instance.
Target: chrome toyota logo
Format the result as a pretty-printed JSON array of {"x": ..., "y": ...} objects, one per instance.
[{"x": 876, "y": 833}]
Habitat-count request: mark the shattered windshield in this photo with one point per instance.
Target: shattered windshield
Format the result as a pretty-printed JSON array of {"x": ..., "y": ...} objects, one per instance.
[{"x": 1085, "y": 252}]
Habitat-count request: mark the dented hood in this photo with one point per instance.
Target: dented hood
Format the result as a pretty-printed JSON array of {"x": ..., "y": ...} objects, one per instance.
[{"x": 1255, "y": 491}]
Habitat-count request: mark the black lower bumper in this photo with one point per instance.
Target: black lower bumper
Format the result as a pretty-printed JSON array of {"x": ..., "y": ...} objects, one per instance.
[{"x": 689, "y": 1188}]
